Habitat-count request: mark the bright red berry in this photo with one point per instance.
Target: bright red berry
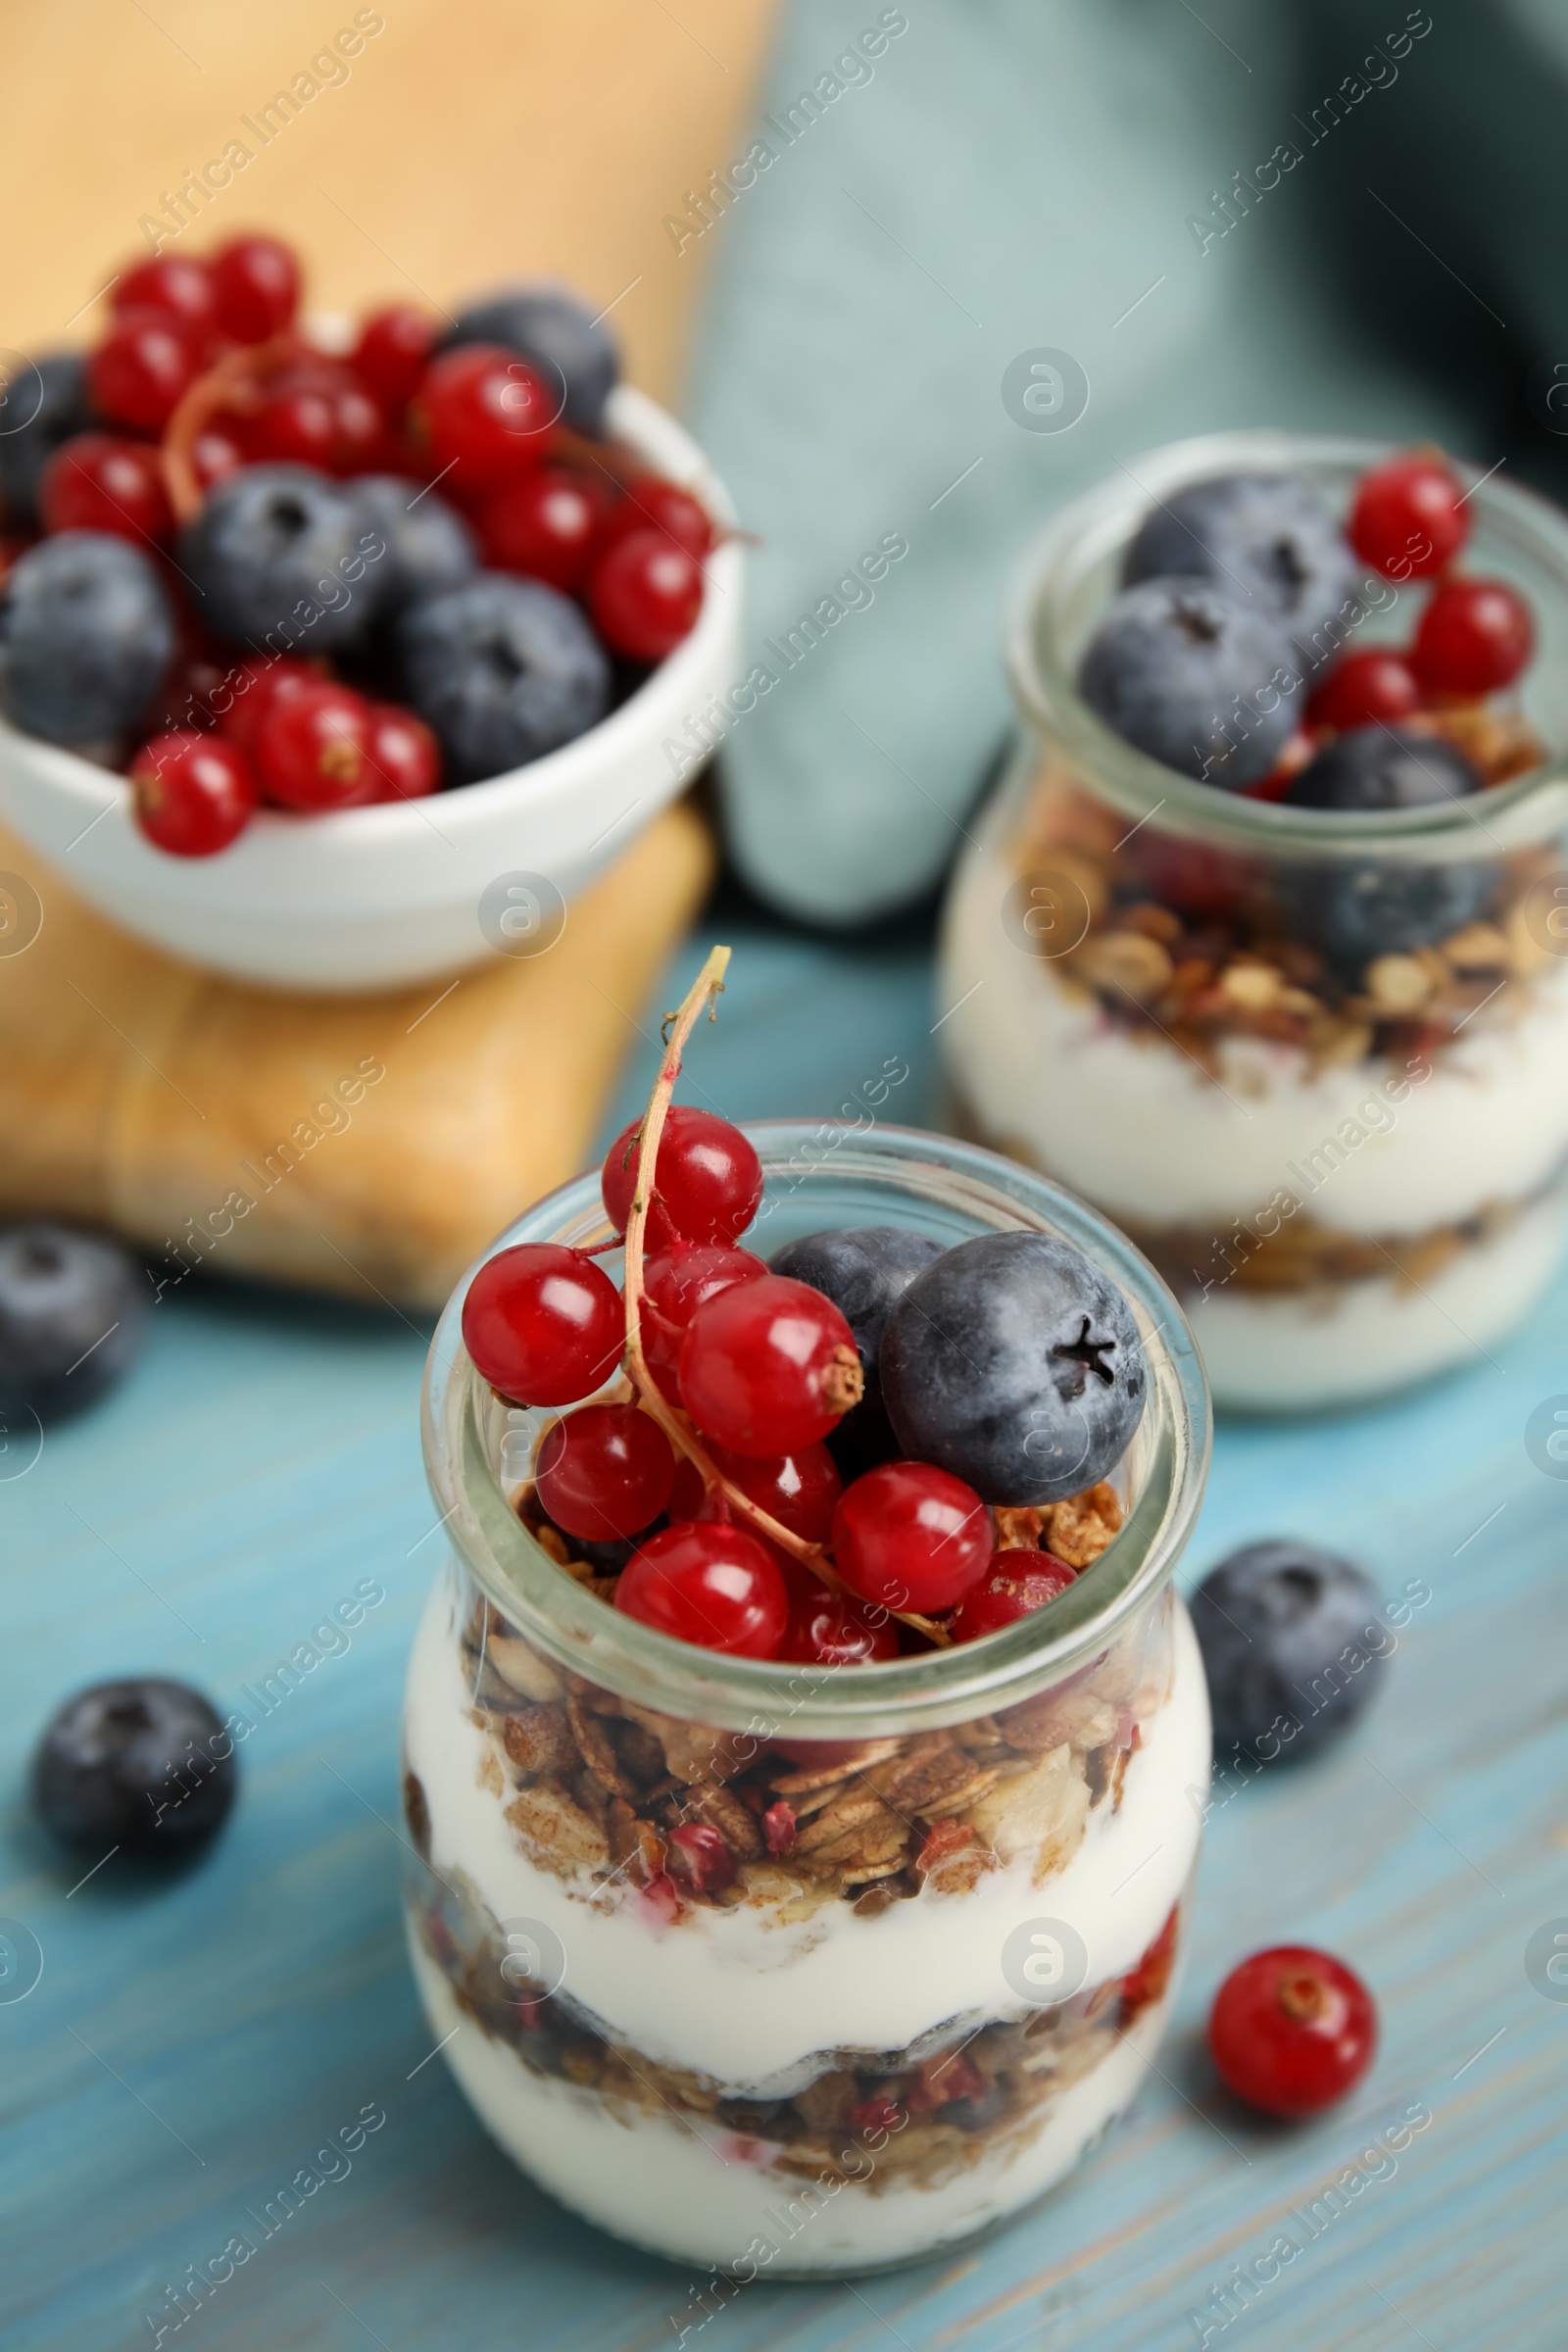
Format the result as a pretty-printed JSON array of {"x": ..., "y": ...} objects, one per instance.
[
  {"x": 217, "y": 451},
  {"x": 833, "y": 1629},
  {"x": 1474, "y": 636},
  {"x": 1148, "y": 1980},
  {"x": 547, "y": 526},
  {"x": 1293, "y": 2030},
  {"x": 912, "y": 1536},
  {"x": 651, "y": 504},
  {"x": 767, "y": 1367},
  {"x": 393, "y": 351},
  {"x": 780, "y": 1828},
  {"x": 312, "y": 749},
  {"x": 709, "y": 1582},
  {"x": 604, "y": 1472},
  {"x": 144, "y": 367},
  {"x": 1363, "y": 689},
  {"x": 674, "y": 1285},
  {"x": 644, "y": 595},
  {"x": 543, "y": 1324},
  {"x": 1018, "y": 1584},
  {"x": 171, "y": 283},
  {"x": 193, "y": 793},
  {"x": 186, "y": 697},
  {"x": 251, "y": 690},
  {"x": 101, "y": 482},
  {"x": 707, "y": 1182},
  {"x": 699, "y": 1857},
  {"x": 797, "y": 1489},
  {"x": 318, "y": 414},
  {"x": 486, "y": 413},
  {"x": 403, "y": 753},
  {"x": 258, "y": 282},
  {"x": 1409, "y": 521}
]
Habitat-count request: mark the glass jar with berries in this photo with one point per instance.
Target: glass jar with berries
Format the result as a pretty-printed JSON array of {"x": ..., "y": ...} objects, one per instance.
[
  {"x": 1262, "y": 943},
  {"x": 804, "y": 1750}
]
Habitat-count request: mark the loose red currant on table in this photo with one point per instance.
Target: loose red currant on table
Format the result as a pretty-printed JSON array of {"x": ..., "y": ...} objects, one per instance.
[
  {"x": 403, "y": 753},
  {"x": 797, "y": 1489},
  {"x": 142, "y": 370},
  {"x": 547, "y": 525},
  {"x": 1363, "y": 688},
  {"x": 101, "y": 482},
  {"x": 485, "y": 412},
  {"x": 1018, "y": 1584},
  {"x": 833, "y": 1629},
  {"x": 258, "y": 285},
  {"x": 707, "y": 1180},
  {"x": 312, "y": 749},
  {"x": 393, "y": 351},
  {"x": 912, "y": 1536},
  {"x": 193, "y": 793},
  {"x": 645, "y": 596},
  {"x": 709, "y": 1582},
  {"x": 1474, "y": 636},
  {"x": 674, "y": 1285},
  {"x": 183, "y": 288},
  {"x": 1293, "y": 2030},
  {"x": 651, "y": 504},
  {"x": 1409, "y": 519},
  {"x": 604, "y": 1472},
  {"x": 543, "y": 1324},
  {"x": 252, "y": 689},
  {"x": 767, "y": 1367}
]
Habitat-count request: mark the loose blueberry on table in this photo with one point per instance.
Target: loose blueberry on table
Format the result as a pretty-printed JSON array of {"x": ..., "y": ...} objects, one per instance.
[
  {"x": 1293, "y": 1647},
  {"x": 73, "y": 1316},
  {"x": 433, "y": 530},
  {"x": 144, "y": 1765}
]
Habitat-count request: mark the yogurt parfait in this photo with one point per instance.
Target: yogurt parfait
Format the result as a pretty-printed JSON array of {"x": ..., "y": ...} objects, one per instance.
[
  {"x": 804, "y": 1750},
  {"x": 1263, "y": 945}
]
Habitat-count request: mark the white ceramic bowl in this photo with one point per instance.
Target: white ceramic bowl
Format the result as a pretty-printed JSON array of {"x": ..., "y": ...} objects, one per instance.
[{"x": 373, "y": 897}]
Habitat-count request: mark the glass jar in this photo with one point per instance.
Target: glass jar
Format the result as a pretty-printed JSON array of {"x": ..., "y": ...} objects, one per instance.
[
  {"x": 1316, "y": 1064},
  {"x": 918, "y": 1951}
]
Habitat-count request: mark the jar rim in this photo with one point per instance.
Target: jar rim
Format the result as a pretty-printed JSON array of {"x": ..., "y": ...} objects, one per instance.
[
  {"x": 1101, "y": 520},
  {"x": 928, "y": 1691}
]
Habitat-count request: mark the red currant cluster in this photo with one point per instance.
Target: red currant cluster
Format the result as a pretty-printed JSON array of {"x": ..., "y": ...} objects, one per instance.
[{"x": 713, "y": 1462}]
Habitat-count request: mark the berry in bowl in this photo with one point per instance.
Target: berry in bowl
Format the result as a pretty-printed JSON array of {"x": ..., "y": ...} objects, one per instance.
[
  {"x": 311, "y": 633},
  {"x": 1263, "y": 945},
  {"x": 799, "y": 1747}
]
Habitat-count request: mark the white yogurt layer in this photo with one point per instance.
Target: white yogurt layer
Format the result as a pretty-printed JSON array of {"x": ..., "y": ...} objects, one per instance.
[
  {"x": 726, "y": 1993},
  {"x": 688, "y": 2191},
  {"x": 1142, "y": 1132}
]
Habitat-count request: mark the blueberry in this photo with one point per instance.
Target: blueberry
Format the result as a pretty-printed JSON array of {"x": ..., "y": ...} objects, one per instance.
[
  {"x": 504, "y": 670},
  {"x": 1384, "y": 767},
  {"x": 1264, "y": 540},
  {"x": 429, "y": 547},
  {"x": 144, "y": 1765},
  {"x": 281, "y": 555},
  {"x": 1371, "y": 907},
  {"x": 72, "y": 1315},
  {"x": 1288, "y": 1632},
  {"x": 1192, "y": 678},
  {"x": 862, "y": 1270},
  {"x": 1013, "y": 1362},
  {"x": 85, "y": 637},
  {"x": 45, "y": 403},
  {"x": 561, "y": 342}
]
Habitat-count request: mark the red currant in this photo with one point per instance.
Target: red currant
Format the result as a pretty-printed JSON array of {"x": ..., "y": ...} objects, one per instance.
[
  {"x": 318, "y": 414},
  {"x": 184, "y": 289},
  {"x": 142, "y": 370},
  {"x": 1293, "y": 2030},
  {"x": 486, "y": 413},
  {"x": 1146, "y": 1980},
  {"x": 193, "y": 793},
  {"x": 1474, "y": 636},
  {"x": 709, "y": 1582},
  {"x": 1409, "y": 521},
  {"x": 543, "y": 1324},
  {"x": 258, "y": 282},
  {"x": 546, "y": 525},
  {"x": 186, "y": 697},
  {"x": 651, "y": 504},
  {"x": 1018, "y": 1584},
  {"x": 645, "y": 596},
  {"x": 832, "y": 1629},
  {"x": 767, "y": 1367},
  {"x": 604, "y": 1472},
  {"x": 674, "y": 1285},
  {"x": 1189, "y": 876},
  {"x": 393, "y": 351},
  {"x": 217, "y": 451},
  {"x": 708, "y": 1182},
  {"x": 912, "y": 1536},
  {"x": 100, "y": 482},
  {"x": 253, "y": 687},
  {"x": 1363, "y": 689},
  {"x": 797, "y": 1489},
  {"x": 403, "y": 753},
  {"x": 312, "y": 749},
  {"x": 699, "y": 1856}
]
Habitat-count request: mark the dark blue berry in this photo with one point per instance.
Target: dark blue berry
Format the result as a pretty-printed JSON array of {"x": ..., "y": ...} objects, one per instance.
[
  {"x": 1264, "y": 540},
  {"x": 429, "y": 548},
  {"x": 1013, "y": 1362},
  {"x": 862, "y": 1270},
  {"x": 73, "y": 1316},
  {"x": 1373, "y": 906},
  {"x": 1194, "y": 679},
  {"x": 504, "y": 670},
  {"x": 1384, "y": 767},
  {"x": 573, "y": 353},
  {"x": 44, "y": 403},
  {"x": 280, "y": 556},
  {"x": 1291, "y": 1637},
  {"x": 85, "y": 637},
  {"x": 144, "y": 1765}
]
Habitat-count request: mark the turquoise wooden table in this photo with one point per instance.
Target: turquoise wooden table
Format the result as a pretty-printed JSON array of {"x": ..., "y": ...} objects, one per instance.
[{"x": 190, "y": 2046}]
